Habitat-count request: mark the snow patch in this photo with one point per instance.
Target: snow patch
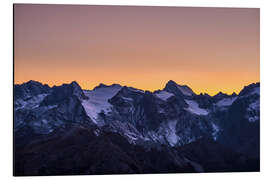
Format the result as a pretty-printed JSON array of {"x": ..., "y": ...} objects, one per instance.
[
  {"x": 215, "y": 131},
  {"x": 254, "y": 106},
  {"x": 126, "y": 98},
  {"x": 135, "y": 90},
  {"x": 98, "y": 101},
  {"x": 226, "y": 101},
  {"x": 185, "y": 90},
  {"x": 194, "y": 108},
  {"x": 44, "y": 121},
  {"x": 97, "y": 132},
  {"x": 164, "y": 95},
  {"x": 256, "y": 91},
  {"x": 131, "y": 136},
  {"x": 172, "y": 136},
  {"x": 253, "y": 119},
  {"x": 253, "y": 111},
  {"x": 31, "y": 103}
]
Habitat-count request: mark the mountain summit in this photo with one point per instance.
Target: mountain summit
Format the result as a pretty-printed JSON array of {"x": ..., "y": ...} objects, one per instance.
[{"x": 176, "y": 89}]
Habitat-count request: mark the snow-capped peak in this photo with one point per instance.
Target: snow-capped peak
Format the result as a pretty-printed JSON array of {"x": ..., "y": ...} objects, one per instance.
[
  {"x": 173, "y": 87},
  {"x": 98, "y": 100}
]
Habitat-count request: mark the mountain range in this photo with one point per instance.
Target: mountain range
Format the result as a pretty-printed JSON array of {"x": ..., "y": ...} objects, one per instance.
[{"x": 114, "y": 129}]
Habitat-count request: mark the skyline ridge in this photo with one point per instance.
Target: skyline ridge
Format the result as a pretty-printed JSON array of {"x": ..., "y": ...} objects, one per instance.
[{"x": 152, "y": 91}]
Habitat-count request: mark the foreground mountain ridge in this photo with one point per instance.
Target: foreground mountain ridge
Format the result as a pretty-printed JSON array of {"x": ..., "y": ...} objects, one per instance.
[{"x": 172, "y": 117}]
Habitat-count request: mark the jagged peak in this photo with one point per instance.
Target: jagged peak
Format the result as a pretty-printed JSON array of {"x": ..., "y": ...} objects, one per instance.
[
  {"x": 62, "y": 92},
  {"x": 250, "y": 88},
  {"x": 31, "y": 82},
  {"x": 184, "y": 89},
  {"x": 127, "y": 89},
  {"x": 221, "y": 94},
  {"x": 74, "y": 83},
  {"x": 101, "y": 85},
  {"x": 30, "y": 88},
  {"x": 171, "y": 82}
]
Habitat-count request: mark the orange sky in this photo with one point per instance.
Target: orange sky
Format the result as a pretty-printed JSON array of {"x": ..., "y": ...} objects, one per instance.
[{"x": 208, "y": 49}]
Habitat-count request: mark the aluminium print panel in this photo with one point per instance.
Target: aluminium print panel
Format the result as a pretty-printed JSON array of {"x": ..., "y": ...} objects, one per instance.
[{"x": 135, "y": 90}]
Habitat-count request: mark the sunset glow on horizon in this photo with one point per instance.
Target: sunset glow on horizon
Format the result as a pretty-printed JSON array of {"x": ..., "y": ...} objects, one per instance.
[{"x": 208, "y": 49}]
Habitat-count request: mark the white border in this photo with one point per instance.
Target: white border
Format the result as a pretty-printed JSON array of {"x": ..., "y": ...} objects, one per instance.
[{"x": 6, "y": 84}]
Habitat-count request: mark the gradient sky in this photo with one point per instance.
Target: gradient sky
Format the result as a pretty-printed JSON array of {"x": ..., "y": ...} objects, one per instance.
[{"x": 208, "y": 49}]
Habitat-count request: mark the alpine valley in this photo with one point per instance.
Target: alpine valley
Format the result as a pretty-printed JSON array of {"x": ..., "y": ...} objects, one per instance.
[{"x": 114, "y": 129}]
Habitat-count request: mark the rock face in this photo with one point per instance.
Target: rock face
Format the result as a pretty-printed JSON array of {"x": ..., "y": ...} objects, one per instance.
[
  {"x": 30, "y": 89},
  {"x": 156, "y": 117},
  {"x": 60, "y": 93},
  {"x": 42, "y": 115},
  {"x": 242, "y": 122},
  {"x": 119, "y": 129}
]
